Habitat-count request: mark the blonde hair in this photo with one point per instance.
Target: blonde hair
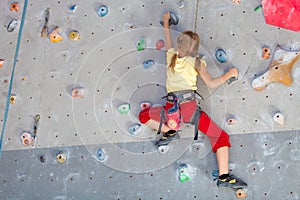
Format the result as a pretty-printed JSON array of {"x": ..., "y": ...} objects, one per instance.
[{"x": 188, "y": 42}]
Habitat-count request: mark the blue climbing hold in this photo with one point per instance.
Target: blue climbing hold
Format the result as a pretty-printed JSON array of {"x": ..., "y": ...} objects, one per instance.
[
  {"x": 215, "y": 173},
  {"x": 102, "y": 11},
  {"x": 134, "y": 129},
  {"x": 148, "y": 63},
  {"x": 73, "y": 8},
  {"x": 221, "y": 56},
  {"x": 101, "y": 155}
]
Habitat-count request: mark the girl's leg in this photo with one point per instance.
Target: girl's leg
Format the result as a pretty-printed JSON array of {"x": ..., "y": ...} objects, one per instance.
[
  {"x": 151, "y": 117},
  {"x": 219, "y": 140}
]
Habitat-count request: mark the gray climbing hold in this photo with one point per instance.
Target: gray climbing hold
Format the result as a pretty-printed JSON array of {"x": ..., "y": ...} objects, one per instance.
[
  {"x": 12, "y": 25},
  {"x": 173, "y": 20}
]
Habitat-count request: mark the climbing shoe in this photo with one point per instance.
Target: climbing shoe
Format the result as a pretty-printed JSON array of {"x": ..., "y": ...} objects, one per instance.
[
  {"x": 231, "y": 182},
  {"x": 167, "y": 138}
]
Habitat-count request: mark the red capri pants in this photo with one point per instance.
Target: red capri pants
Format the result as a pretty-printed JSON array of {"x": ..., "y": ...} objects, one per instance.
[{"x": 217, "y": 136}]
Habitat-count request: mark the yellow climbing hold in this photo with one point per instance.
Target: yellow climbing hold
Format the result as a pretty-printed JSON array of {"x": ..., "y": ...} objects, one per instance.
[
  {"x": 74, "y": 36},
  {"x": 12, "y": 99},
  {"x": 61, "y": 157},
  {"x": 54, "y": 36}
]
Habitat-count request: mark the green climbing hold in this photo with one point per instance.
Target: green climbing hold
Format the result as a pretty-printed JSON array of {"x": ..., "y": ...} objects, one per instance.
[
  {"x": 183, "y": 173},
  {"x": 124, "y": 108},
  {"x": 258, "y": 8},
  {"x": 141, "y": 44}
]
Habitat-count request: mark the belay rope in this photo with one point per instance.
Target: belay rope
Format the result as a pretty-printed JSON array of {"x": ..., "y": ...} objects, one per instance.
[{"x": 12, "y": 75}]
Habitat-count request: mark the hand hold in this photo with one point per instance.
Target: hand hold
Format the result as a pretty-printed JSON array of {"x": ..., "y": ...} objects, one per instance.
[
  {"x": 1, "y": 62},
  {"x": 124, "y": 108},
  {"x": 12, "y": 25},
  {"x": 102, "y": 11},
  {"x": 74, "y": 35},
  {"x": 279, "y": 69},
  {"x": 160, "y": 44},
  {"x": 54, "y": 36},
  {"x": 134, "y": 129},
  {"x": 279, "y": 118},
  {"x": 101, "y": 155},
  {"x": 15, "y": 7},
  {"x": 61, "y": 157},
  {"x": 78, "y": 92},
  {"x": 172, "y": 21},
  {"x": 221, "y": 56},
  {"x": 266, "y": 52},
  {"x": 141, "y": 44},
  {"x": 12, "y": 99},
  {"x": 148, "y": 63},
  {"x": 27, "y": 139}
]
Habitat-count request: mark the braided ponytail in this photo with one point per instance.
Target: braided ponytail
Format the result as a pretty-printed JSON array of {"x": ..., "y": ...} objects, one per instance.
[{"x": 173, "y": 61}]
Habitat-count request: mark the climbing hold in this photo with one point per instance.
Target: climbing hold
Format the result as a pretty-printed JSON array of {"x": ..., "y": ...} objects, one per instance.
[
  {"x": 12, "y": 25},
  {"x": 148, "y": 63},
  {"x": 141, "y": 44},
  {"x": 145, "y": 105},
  {"x": 215, "y": 173},
  {"x": 160, "y": 44},
  {"x": 24, "y": 78},
  {"x": 163, "y": 149},
  {"x": 134, "y": 129},
  {"x": 279, "y": 118},
  {"x": 74, "y": 35},
  {"x": 282, "y": 13},
  {"x": 36, "y": 124},
  {"x": 101, "y": 155},
  {"x": 236, "y": 1},
  {"x": 231, "y": 80},
  {"x": 61, "y": 157},
  {"x": 279, "y": 69},
  {"x": 42, "y": 159},
  {"x": 258, "y": 8},
  {"x": 221, "y": 56},
  {"x": 240, "y": 194},
  {"x": 44, "y": 32},
  {"x": 15, "y": 7},
  {"x": 12, "y": 99},
  {"x": 183, "y": 173},
  {"x": 172, "y": 21},
  {"x": 231, "y": 121},
  {"x": 54, "y": 36},
  {"x": 27, "y": 139},
  {"x": 266, "y": 52},
  {"x": 102, "y": 11},
  {"x": 181, "y": 3},
  {"x": 73, "y": 8},
  {"x": 78, "y": 92},
  {"x": 124, "y": 108},
  {"x": 1, "y": 62}
]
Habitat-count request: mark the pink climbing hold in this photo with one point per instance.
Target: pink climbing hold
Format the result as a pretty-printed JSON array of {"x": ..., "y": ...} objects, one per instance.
[
  {"x": 160, "y": 44},
  {"x": 282, "y": 13}
]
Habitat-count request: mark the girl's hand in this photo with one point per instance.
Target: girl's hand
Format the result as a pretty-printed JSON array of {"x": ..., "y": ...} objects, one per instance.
[
  {"x": 233, "y": 72},
  {"x": 166, "y": 17}
]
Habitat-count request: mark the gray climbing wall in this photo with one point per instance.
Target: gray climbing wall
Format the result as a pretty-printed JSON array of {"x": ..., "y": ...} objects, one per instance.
[{"x": 106, "y": 64}]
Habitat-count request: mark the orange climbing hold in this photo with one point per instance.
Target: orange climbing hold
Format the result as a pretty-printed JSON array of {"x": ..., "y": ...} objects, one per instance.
[
  {"x": 266, "y": 52},
  {"x": 279, "y": 69},
  {"x": 15, "y": 7},
  {"x": 1, "y": 62},
  {"x": 77, "y": 93},
  {"x": 54, "y": 36},
  {"x": 27, "y": 139}
]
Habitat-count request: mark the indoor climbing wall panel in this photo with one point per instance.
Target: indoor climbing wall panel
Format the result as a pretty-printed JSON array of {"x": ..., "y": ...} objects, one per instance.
[{"x": 87, "y": 90}]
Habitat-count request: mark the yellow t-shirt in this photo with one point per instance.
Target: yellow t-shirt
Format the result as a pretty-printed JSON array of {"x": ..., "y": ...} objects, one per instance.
[{"x": 184, "y": 75}]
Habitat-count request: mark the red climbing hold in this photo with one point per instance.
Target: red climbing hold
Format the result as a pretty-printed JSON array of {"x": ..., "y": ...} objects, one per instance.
[{"x": 282, "y": 13}]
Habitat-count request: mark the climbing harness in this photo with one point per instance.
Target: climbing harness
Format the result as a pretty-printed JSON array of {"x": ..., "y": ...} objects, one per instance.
[
  {"x": 12, "y": 74},
  {"x": 177, "y": 98}
]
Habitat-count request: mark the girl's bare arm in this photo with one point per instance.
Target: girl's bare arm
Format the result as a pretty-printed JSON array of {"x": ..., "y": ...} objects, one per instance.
[{"x": 167, "y": 33}]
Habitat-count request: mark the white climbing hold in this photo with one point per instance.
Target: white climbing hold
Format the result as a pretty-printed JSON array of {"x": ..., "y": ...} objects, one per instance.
[
  {"x": 279, "y": 118},
  {"x": 231, "y": 121}
]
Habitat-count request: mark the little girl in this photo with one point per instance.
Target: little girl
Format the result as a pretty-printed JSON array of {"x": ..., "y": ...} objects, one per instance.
[{"x": 183, "y": 67}]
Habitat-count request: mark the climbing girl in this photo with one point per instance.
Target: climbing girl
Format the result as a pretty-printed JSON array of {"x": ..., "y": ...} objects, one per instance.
[{"x": 183, "y": 67}]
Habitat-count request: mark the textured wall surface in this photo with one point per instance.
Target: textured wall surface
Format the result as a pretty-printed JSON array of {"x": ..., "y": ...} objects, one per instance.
[{"x": 107, "y": 65}]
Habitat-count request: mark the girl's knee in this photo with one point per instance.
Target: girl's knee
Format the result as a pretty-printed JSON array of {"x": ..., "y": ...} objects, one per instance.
[{"x": 144, "y": 116}]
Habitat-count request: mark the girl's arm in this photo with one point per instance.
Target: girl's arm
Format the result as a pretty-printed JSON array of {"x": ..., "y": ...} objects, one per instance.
[
  {"x": 167, "y": 33},
  {"x": 216, "y": 82}
]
